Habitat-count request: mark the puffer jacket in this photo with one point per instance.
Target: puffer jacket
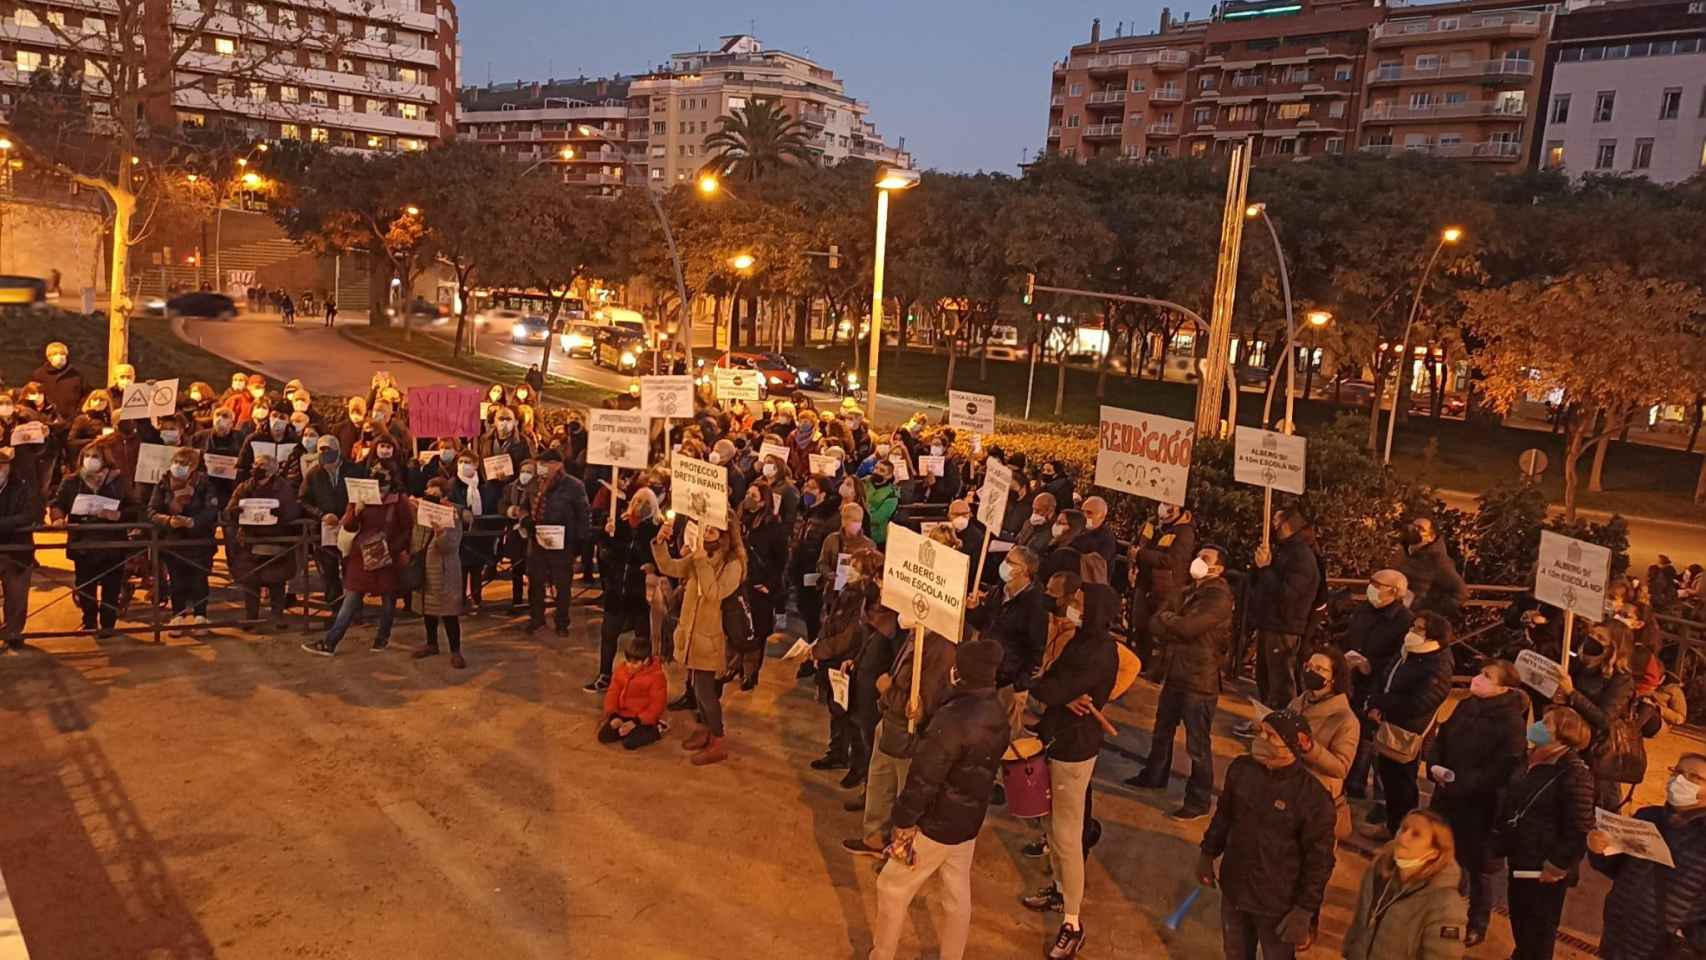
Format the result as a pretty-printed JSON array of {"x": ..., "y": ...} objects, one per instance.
[
  {"x": 440, "y": 594},
  {"x": 1282, "y": 594},
  {"x": 934, "y": 687},
  {"x": 1378, "y": 634},
  {"x": 1194, "y": 633},
  {"x": 622, "y": 559},
  {"x": 821, "y": 519},
  {"x": 1089, "y": 664},
  {"x": 1649, "y": 900},
  {"x": 1422, "y": 918},
  {"x": 1019, "y": 623},
  {"x": 953, "y": 770},
  {"x": 1482, "y": 743},
  {"x": 1546, "y": 815},
  {"x": 1164, "y": 557},
  {"x": 880, "y": 505},
  {"x": 1275, "y": 830},
  {"x": 699, "y": 638},
  {"x": 1434, "y": 580},
  {"x": 1601, "y": 700},
  {"x": 638, "y": 691},
  {"x": 1334, "y": 733},
  {"x": 1413, "y": 689}
]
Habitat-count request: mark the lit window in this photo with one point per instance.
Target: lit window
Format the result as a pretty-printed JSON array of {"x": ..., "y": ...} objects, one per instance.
[
  {"x": 319, "y": 135},
  {"x": 226, "y": 89},
  {"x": 1555, "y": 155},
  {"x": 225, "y": 46},
  {"x": 410, "y": 143},
  {"x": 257, "y": 92},
  {"x": 409, "y": 111},
  {"x": 255, "y": 12},
  {"x": 289, "y": 131},
  {"x": 318, "y": 98},
  {"x": 29, "y": 61},
  {"x": 289, "y": 94},
  {"x": 191, "y": 120},
  {"x": 346, "y": 65},
  {"x": 375, "y": 106},
  {"x": 346, "y": 102},
  {"x": 408, "y": 75},
  {"x": 26, "y": 18},
  {"x": 376, "y": 141}
]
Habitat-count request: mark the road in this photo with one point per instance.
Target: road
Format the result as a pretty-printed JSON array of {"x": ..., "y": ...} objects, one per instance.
[{"x": 1683, "y": 543}]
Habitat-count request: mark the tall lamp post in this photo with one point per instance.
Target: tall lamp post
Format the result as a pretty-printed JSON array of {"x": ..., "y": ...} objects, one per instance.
[
  {"x": 893, "y": 178},
  {"x": 1448, "y": 235},
  {"x": 1261, "y": 210}
]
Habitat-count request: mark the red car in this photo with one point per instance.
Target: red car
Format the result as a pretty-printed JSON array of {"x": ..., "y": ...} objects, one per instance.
[{"x": 777, "y": 378}]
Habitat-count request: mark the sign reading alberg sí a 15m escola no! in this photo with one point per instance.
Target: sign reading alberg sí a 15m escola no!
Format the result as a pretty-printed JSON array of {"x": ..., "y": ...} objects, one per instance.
[{"x": 1144, "y": 453}]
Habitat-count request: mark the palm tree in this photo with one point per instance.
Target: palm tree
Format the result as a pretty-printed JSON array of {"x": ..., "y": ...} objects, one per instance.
[{"x": 755, "y": 139}]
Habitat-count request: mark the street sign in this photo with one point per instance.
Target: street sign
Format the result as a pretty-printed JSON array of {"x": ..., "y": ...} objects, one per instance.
[
  {"x": 737, "y": 384},
  {"x": 925, "y": 581},
  {"x": 1572, "y": 574},
  {"x": 667, "y": 396},
  {"x": 700, "y": 490},
  {"x": 617, "y": 438},
  {"x": 1265, "y": 458},
  {"x": 971, "y": 411},
  {"x": 1145, "y": 454},
  {"x": 1532, "y": 463}
]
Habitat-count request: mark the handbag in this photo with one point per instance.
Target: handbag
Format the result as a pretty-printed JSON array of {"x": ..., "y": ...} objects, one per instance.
[
  {"x": 737, "y": 624},
  {"x": 1398, "y": 744}
]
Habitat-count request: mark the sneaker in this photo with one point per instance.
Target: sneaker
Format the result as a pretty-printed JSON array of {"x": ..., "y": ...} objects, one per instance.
[
  {"x": 379, "y": 643},
  {"x": 597, "y": 684},
  {"x": 853, "y": 779},
  {"x": 1036, "y": 849},
  {"x": 864, "y": 846},
  {"x": 318, "y": 648},
  {"x": 1067, "y": 943},
  {"x": 1048, "y": 898},
  {"x": 829, "y": 761},
  {"x": 457, "y": 661},
  {"x": 1187, "y": 814},
  {"x": 1140, "y": 782}
]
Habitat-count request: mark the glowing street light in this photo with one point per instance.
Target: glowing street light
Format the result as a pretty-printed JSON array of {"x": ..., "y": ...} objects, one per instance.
[
  {"x": 892, "y": 178},
  {"x": 742, "y": 262},
  {"x": 567, "y": 153},
  {"x": 1319, "y": 318},
  {"x": 1405, "y": 362},
  {"x": 412, "y": 210},
  {"x": 251, "y": 179},
  {"x": 708, "y": 184}
]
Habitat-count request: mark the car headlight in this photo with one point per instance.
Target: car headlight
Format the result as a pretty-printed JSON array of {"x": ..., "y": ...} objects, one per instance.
[
  {"x": 576, "y": 341},
  {"x": 627, "y": 358},
  {"x": 852, "y": 379},
  {"x": 775, "y": 381},
  {"x": 518, "y": 335}
]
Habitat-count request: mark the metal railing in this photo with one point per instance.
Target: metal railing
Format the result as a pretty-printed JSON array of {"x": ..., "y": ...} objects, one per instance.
[
  {"x": 1483, "y": 150},
  {"x": 1106, "y": 96},
  {"x": 1514, "y": 23},
  {"x": 1486, "y": 69},
  {"x": 1440, "y": 111}
]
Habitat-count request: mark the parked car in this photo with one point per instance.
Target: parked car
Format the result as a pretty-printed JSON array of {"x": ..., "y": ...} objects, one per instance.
[
  {"x": 1351, "y": 393},
  {"x": 204, "y": 304},
  {"x": 779, "y": 375},
  {"x": 1452, "y": 405}
]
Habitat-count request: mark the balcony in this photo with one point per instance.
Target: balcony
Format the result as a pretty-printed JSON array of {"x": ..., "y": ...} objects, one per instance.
[
  {"x": 813, "y": 118},
  {"x": 1159, "y": 59},
  {"x": 640, "y": 134},
  {"x": 1487, "y": 71},
  {"x": 1167, "y": 95},
  {"x": 1103, "y": 98},
  {"x": 1503, "y": 151},
  {"x": 1399, "y": 113},
  {"x": 1054, "y": 133},
  {"x": 1171, "y": 60},
  {"x": 1057, "y": 100},
  {"x": 1103, "y": 131},
  {"x": 1514, "y": 24},
  {"x": 1162, "y": 130}
]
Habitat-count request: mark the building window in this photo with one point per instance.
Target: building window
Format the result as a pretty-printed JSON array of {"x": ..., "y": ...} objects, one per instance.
[
  {"x": 1603, "y": 105},
  {"x": 289, "y": 131},
  {"x": 26, "y": 18},
  {"x": 1670, "y": 104},
  {"x": 1076, "y": 91},
  {"x": 196, "y": 120},
  {"x": 1072, "y": 122},
  {"x": 317, "y": 61},
  {"x": 409, "y": 75},
  {"x": 29, "y": 61},
  {"x": 258, "y": 92},
  {"x": 377, "y": 141},
  {"x": 409, "y": 111},
  {"x": 1643, "y": 155},
  {"x": 376, "y": 106},
  {"x": 737, "y": 103},
  {"x": 346, "y": 65},
  {"x": 1204, "y": 82},
  {"x": 255, "y": 12},
  {"x": 659, "y": 128},
  {"x": 1242, "y": 113},
  {"x": 1427, "y": 62},
  {"x": 1336, "y": 108},
  {"x": 1606, "y": 157},
  {"x": 1200, "y": 115},
  {"x": 1561, "y": 108},
  {"x": 319, "y": 98},
  {"x": 1291, "y": 111},
  {"x": 225, "y": 46},
  {"x": 319, "y": 135},
  {"x": 289, "y": 94},
  {"x": 226, "y": 89},
  {"x": 1555, "y": 155},
  {"x": 410, "y": 143},
  {"x": 346, "y": 102},
  {"x": 1335, "y": 146}
]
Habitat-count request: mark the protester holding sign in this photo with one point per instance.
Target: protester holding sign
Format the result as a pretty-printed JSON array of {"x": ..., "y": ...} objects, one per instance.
[
  {"x": 94, "y": 421},
  {"x": 99, "y": 571},
  {"x": 1403, "y": 707},
  {"x": 881, "y": 501},
  {"x": 26, "y": 456},
  {"x": 1281, "y": 596},
  {"x": 378, "y": 553},
  {"x": 20, "y": 509},
  {"x": 439, "y": 595},
  {"x": 258, "y": 561},
  {"x": 478, "y": 499},
  {"x": 1655, "y": 912},
  {"x": 711, "y": 573},
  {"x": 557, "y": 499},
  {"x": 1544, "y": 819},
  {"x": 837, "y": 647},
  {"x": 624, "y": 554},
  {"x": 185, "y": 508},
  {"x": 893, "y": 744}
]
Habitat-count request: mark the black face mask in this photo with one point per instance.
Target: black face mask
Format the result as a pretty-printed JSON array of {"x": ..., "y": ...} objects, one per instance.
[
  {"x": 879, "y": 480},
  {"x": 1314, "y": 681},
  {"x": 1410, "y": 537}
]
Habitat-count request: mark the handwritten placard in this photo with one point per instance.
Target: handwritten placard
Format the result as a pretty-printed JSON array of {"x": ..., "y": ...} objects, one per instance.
[
  {"x": 220, "y": 465},
  {"x": 257, "y": 512},
  {"x": 434, "y": 516},
  {"x": 152, "y": 459},
  {"x": 90, "y": 505},
  {"x": 549, "y": 536},
  {"x": 144, "y": 400},
  {"x": 27, "y": 433},
  {"x": 499, "y": 467},
  {"x": 930, "y": 466},
  {"x": 768, "y": 450},
  {"x": 822, "y": 465},
  {"x": 445, "y": 411},
  {"x": 362, "y": 491}
]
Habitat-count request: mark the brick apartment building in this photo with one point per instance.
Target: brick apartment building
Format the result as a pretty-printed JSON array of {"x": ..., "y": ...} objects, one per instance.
[{"x": 1123, "y": 96}]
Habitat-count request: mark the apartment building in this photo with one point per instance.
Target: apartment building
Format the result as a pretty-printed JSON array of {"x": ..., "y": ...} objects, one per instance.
[
  {"x": 1456, "y": 80},
  {"x": 358, "y": 74},
  {"x": 1626, "y": 91},
  {"x": 577, "y": 127},
  {"x": 1122, "y": 97}
]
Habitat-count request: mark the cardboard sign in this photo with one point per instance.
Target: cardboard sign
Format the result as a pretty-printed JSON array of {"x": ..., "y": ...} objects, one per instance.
[
  {"x": 549, "y": 536},
  {"x": 445, "y": 411},
  {"x": 89, "y": 505},
  {"x": 220, "y": 465},
  {"x": 27, "y": 433},
  {"x": 992, "y": 497},
  {"x": 902, "y": 471},
  {"x": 499, "y": 467},
  {"x": 1634, "y": 837},
  {"x": 971, "y": 411},
  {"x": 1571, "y": 575},
  {"x": 737, "y": 384},
  {"x": 776, "y": 450},
  {"x": 434, "y": 516},
  {"x": 618, "y": 438},
  {"x": 925, "y": 581},
  {"x": 280, "y": 452},
  {"x": 1537, "y": 672},
  {"x": 700, "y": 490},
  {"x": 144, "y": 400},
  {"x": 823, "y": 465},
  {"x": 843, "y": 563},
  {"x": 257, "y": 512},
  {"x": 362, "y": 491},
  {"x": 1266, "y": 458},
  {"x": 689, "y": 538},
  {"x": 929, "y": 466},
  {"x": 838, "y": 684},
  {"x": 667, "y": 396},
  {"x": 152, "y": 459},
  {"x": 1144, "y": 454}
]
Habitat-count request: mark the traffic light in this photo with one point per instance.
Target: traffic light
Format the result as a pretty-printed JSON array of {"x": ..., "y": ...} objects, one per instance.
[
  {"x": 1030, "y": 288},
  {"x": 835, "y": 256}
]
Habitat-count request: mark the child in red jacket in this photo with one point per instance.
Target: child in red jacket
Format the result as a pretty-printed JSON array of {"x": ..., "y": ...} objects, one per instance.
[{"x": 634, "y": 703}]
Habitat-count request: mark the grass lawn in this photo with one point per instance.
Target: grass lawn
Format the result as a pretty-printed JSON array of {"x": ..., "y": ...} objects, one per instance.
[
  {"x": 483, "y": 368},
  {"x": 1639, "y": 480},
  {"x": 154, "y": 350}
]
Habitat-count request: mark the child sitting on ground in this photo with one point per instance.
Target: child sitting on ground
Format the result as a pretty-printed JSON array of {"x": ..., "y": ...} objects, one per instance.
[{"x": 634, "y": 703}]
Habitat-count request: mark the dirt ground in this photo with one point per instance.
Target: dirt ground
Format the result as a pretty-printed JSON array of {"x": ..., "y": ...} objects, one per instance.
[{"x": 230, "y": 796}]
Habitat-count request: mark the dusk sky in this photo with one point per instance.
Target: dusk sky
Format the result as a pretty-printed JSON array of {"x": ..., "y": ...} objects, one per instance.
[{"x": 966, "y": 83}]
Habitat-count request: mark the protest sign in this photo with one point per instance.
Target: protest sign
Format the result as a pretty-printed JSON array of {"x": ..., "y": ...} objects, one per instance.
[
  {"x": 434, "y": 516},
  {"x": 152, "y": 459},
  {"x": 974, "y": 412},
  {"x": 257, "y": 512},
  {"x": 700, "y": 490},
  {"x": 931, "y": 466},
  {"x": 822, "y": 465},
  {"x": 144, "y": 400},
  {"x": 776, "y": 450},
  {"x": 992, "y": 496},
  {"x": 1144, "y": 454},
  {"x": 689, "y": 538},
  {"x": 445, "y": 411},
  {"x": 1537, "y": 672},
  {"x": 34, "y": 431},
  {"x": 1265, "y": 458},
  {"x": 902, "y": 471},
  {"x": 1632, "y": 836},
  {"x": 550, "y": 536},
  {"x": 925, "y": 581},
  {"x": 735, "y": 384},
  {"x": 617, "y": 438},
  {"x": 499, "y": 467},
  {"x": 670, "y": 397},
  {"x": 843, "y": 563},
  {"x": 362, "y": 491},
  {"x": 1571, "y": 575},
  {"x": 838, "y": 687},
  {"x": 89, "y": 505},
  {"x": 280, "y": 452},
  {"x": 220, "y": 465}
]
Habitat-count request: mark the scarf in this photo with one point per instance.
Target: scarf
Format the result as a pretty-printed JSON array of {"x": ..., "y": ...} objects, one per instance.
[
  {"x": 541, "y": 492},
  {"x": 474, "y": 504}
]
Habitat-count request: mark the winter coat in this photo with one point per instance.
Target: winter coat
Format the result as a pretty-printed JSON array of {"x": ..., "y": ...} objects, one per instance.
[
  {"x": 1088, "y": 664},
  {"x": 1546, "y": 815},
  {"x": 516, "y": 447},
  {"x": 1601, "y": 700},
  {"x": 953, "y": 770},
  {"x": 1413, "y": 689},
  {"x": 638, "y": 691},
  {"x": 560, "y": 501},
  {"x": 1274, "y": 830},
  {"x": 842, "y": 629},
  {"x": 880, "y": 505},
  {"x": 699, "y": 638},
  {"x": 196, "y": 501},
  {"x": 231, "y": 445},
  {"x": 113, "y": 487},
  {"x": 20, "y": 508},
  {"x": 819, "y": 521},
  {"x": 394, "y": 520},
  {"x": 933, "y": 690},
  {"x": 1194, "y": 635},
  {"x": 270, "y": 563},
  {"x": 1648, "y": 900},
  {"x": 246, "y": 458},
  {"x": 1164, "y": 556},
  {"x": 65, "y": 387},
  {"x": 1334, "y": 733},
  {"x": 1019, "y": 623},
  {"x": 829, "y": 554},
  {"x": 1422, "y": 918},
  {"x": 1282, "y": 594},
  {"x": 622, "y": 560},
  {"x": 1483, "y": 744},
  {"x": 1099, "y": 540},
  {"x": 1434, "y": 580},
  {"x": 1378, "y": 634},
  {"x": 766, "y": 553},
  {"x": 441, "y": 589},
  {"x": 480, "y": 541}
]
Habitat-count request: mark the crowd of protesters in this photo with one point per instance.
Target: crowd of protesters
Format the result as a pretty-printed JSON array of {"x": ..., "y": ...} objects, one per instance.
[{"x": 1499, "y": 778}]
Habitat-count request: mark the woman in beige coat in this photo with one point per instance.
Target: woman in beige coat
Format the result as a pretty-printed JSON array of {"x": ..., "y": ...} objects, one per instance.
[
  {"x": 439, "y": 598},
  {"x": 1408, "y": 907},
  {"x": 1325, "y": 703},
  {"x": 711, "y": 572}
]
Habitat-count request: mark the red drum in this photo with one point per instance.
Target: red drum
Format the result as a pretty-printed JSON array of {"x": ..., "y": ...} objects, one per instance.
[{"x": 1025, "y": 774}]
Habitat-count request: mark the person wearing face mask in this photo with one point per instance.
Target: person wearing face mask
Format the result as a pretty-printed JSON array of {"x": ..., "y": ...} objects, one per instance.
[
  {"x": 1654, "y": 912},
  {"x": 838, "y": 647},
  {"x": 1478, "y": 748},
  {"x": 1280, "y": 598},
  {"x": 505, "y": 438},
  {"x": 63, "y": 385},
  {"x": 1193, "y": 635},
  {"x": 821, "y": 508},
  {"x": 197, "y": 406},
  {"x": 624, "y": 554},
  {"x": 324, "y": 496},
  {"x": 1542, "y": 829},
  {"x": 94, "y": 422},
  {"x": 351, "y": 429},
  {"x": 947, "y": 487},
  {"x": 942, "y": 808},
  {"x": 1431, "y": 573},
  {"x": 710, "y": 574},
  {"x": 1096, "y": 537},
  {"x": 1600, "y": 687},
  {"x": 879, "y": 454},
  {"x": 478, "y": 499},
  {"x": 776, "y": 473},
  {"x": 1075, "y": 680},
  {"x": 1373, "y": 636},
  {"x": 440, "y": 598},
  {"x": 881, "y": 501},
  {"x": 124, "y": 377},
  {"x": 237, "y": 396},
  {"x": 20, "y": 508},
  {"x": 1325, "y": 703},
  {"x": 1037, "y": 530},
  {"x": 99, "y": 571},
  {"x": 276, "y": 437},
  {"x": 439, "y": 463},
  {"x": 1013, "y": 614},
  {"x": 301, "y": 402},
  {"x": 382, "y": 536},
  {"x": 513, "y": 507},
  {"x": 1408, "y": 698},
  {"x": 390, "y": 418},
  {"x": 1273, "y": 835},
  {"x": 257, "y": 564},
  {"x": 767, "y": 563},
  {"x": 802, "y": 441},
  {"x": 1161, "y": 560},
  {"x": 1407, "y": 904},
  {"x": 384, "y": 454},
  {"x": 964, "y": 522},
  {"x": 859, "y": 434},
  {"x": 1059, "y": 555},
  {"x": 723, "y": 454},
  {"x": 184, "y": 508},
  {"x": 27, "y": 457},
  {"x": 557, "y": 498}
]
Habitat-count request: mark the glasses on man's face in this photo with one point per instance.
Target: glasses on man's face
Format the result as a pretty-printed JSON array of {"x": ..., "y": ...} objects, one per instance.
[{"x": 1698, "y": 779}]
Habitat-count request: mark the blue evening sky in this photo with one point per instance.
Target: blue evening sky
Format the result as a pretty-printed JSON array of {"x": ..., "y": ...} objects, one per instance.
[{"x": 966, "y": 83}]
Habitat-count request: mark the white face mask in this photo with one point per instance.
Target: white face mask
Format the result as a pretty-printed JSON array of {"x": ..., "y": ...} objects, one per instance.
[
  {"x": 770, "y": 469},
  {"x": 715, "y": 457},
  {"x": 1199, "y": 569},
  {"x": 1038, "y": 519},
  {"x": 882, "y": 451},
  {"x": 1406, "y": 863},
  {"x": 935, "y": 449},
  {"x": 222, "y": 424},
  {"x": 1681, "y": 792},
  {"x": 1006, "y": 571},
  {"x": 93, "y": 464},
  {"x": 960, "y": 523},
  {"x": 445, "y": 456},
  {"x": 1414, "y": 642},
  {"x": 1373, "y": 595},
  {"x": 180, "y": 470},
  {"x": 279, "y": 425},
  {"x": 525, "y": 477},
  {"x": 467, "y": 471},
  {"x": 168, "y": 437},
  {"x": 1059, "y": 530}
]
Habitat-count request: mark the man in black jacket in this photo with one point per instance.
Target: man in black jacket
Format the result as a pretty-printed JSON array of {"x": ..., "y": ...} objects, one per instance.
[
  {"x": 1161, "y": 560},
  {"x": 1282, "y": 595},
  {"x": 20, "y": 508},
  {"x": 1194, "y": 633},
  {"x": 1374, "y": 634},
  {"x": 325, "y": 496},
  {"x": 939, "y": 813},
  {"x": 63, "y": 385},
  {"x": 1433, "y": 578},
  {"x": 1097, "y": 537},
  {"x": 1013, "y": 616},
  {"x": 1274, "y": 829},
  {"x": 559, "y": 499},
  {"x": 968, "y": 530}
]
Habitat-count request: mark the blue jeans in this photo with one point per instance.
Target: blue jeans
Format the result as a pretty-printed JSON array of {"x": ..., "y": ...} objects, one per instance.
[
  {"x": 351, "y": 607},
  {"x": 1196, "y": 710}
]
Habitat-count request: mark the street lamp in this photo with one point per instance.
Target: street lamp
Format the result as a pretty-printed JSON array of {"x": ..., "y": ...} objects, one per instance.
[
  {"x": 1448, "y": 235},
  {"x": 251, "y": 179},
  {"x": 893, "y": 178},
  {"x": 742, "y": 262},
  {"x": 1261, "y": 210},
  {"x": 709, "y": 184},
  {"x": 412, "y": 210}
]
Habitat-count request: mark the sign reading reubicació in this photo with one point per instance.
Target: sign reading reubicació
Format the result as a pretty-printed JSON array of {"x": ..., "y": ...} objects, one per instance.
[
  {"x": 700, "y": 490},
  {"x": 1144, "y": 453},
  {"x": 926, "y": 581},
  {"x": 1572, "y": 574},
  {"x": 1266, "y": 458}
]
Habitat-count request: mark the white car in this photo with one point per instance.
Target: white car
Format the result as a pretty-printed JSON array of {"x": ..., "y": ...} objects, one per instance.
[{"x": 498, "y": 320}]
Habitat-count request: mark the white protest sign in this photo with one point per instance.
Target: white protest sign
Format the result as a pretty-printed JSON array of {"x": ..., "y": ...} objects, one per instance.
[
  {"x": 667, "y": 396},
  {"x": 34, "y": 431},
  {"x": 144, "y": 400},
  {"x": 822, "y": 465},
  {"x": 926, "y": 581},
  {"x": 838, "y": 687},
  {"x": 618, "y": 438},
  {"x": 929, "y": 466},
  {"x": 434, "y": 516},
  {"x": 280, "y": 452},
  {"x": 901, "y": 470},
  {"x": 362, "y": 491},
  {"x": 257, "y": 512},
  {"x": 737, "y": 384},
  {"x": 152, "y": 459},
  {"x": 1145, "y": 454},
  {"x": 1633, "y": 836},
  {"x": 689, "y": 538},
  {"x": 700, "y": 490},
  {"x": 549, "y": 536},
  {"x": 1571, "y": 575},
  {"x": 843, "y": 563},
  {"x": 499, "y": 467},
  {"x": 1537, "y": 672},
  {"x": 971, "y": 411},
  {"x": 992, "y": 496},
  {"x": 800, "y": 648},
  {"x": 220, "y": 465},
  {"x": 768, "y": 450},
  {"x": 89, "y": 505},
  {"x": 1266, "y": 458}
]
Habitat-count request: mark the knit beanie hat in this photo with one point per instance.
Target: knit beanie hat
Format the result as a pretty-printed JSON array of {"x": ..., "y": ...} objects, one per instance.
[{"x": 977, "y": 661}]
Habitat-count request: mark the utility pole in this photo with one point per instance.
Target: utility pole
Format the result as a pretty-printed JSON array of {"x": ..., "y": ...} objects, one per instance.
[{"x": 1225, "y": 295}]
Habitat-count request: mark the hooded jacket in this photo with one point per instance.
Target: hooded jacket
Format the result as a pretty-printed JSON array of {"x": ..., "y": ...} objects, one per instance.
[
  {"x": 953, "y": 770},
  {"x": 1421, "y": 918},
  {"x": 1274, "y": 828}
]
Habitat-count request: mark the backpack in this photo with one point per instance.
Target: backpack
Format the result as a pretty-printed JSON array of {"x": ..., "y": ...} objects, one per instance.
[{"x": 1623, "y": 757}]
